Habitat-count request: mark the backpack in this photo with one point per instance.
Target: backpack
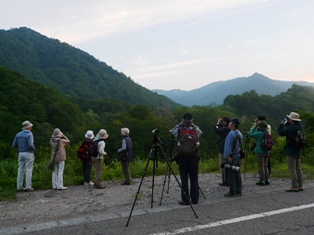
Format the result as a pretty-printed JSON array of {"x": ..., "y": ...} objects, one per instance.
[
  {"x": 268, "y": 142},
  {"x": 82, "y": 152},
  {"x": 188, "y": 141},
  {"x": 300, "y": 140},
  {"x": 93, "y": 149}
]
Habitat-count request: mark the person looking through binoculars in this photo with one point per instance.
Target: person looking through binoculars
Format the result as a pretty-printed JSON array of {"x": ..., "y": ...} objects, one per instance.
[
  {"x": 222, "y": 129},
  {"x": 187, "y": 134},
  {"x": 257, "y": 132},
  {"x": 232, "y": 158}
]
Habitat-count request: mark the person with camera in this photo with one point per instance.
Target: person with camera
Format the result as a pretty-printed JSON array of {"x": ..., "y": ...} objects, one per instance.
[
  {"x": 289, "y": 127},
  {"x": 58, "y": 156},
  {"x": 257, "y": 132},
  {"x": 187, "y": 158},
  {"x": 222, "y": 129},
  {"x": 232, "y": 158}
]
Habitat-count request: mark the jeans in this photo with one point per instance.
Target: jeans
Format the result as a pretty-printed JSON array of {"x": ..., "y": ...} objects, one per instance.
[
  {"x": 295, "y": 171},
  {"x": 188, "y": 167},
  {"x": 57, "y": 175},
  {"x": 87, "y": 170},
  {"x": 26, "y": 162}
]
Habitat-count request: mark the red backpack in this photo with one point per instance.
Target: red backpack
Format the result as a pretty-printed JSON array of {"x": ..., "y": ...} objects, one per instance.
[
  {"x": 82, "y": 151},
  {"x": 268, "y": 142},
  {"x": 188, "y": 140}
]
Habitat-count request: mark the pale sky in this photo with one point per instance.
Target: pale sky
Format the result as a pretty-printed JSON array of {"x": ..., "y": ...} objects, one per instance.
[{"x": 179, "y": 44}]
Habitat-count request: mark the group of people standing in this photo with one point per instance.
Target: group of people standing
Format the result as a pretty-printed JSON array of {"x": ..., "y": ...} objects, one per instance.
[
  {"x": 24, "y": 142},
  {"x": 230, "y": 143}
]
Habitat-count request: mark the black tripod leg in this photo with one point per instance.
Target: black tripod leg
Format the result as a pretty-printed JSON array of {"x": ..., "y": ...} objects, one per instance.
[
  {"x": 169, "y": 165},
  {"x": 138, "y": 191},
  {"x": 201, "y": 192},
  {"x": 163, "y": 186}
]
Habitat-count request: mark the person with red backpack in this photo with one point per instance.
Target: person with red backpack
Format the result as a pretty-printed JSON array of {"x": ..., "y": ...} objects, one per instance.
[
  {"x": 86, "y": 159},
  {"x": 187, "y": 134}
]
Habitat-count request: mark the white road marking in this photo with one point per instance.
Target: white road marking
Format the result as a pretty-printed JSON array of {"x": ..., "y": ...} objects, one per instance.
[{"x": 235, "y": 220}]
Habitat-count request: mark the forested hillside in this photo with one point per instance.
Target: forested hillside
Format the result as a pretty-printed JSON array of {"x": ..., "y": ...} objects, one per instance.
[{"x": 69, "y": 70}]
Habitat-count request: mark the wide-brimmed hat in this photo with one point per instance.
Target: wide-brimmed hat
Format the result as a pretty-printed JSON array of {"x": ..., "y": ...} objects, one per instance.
[
  {"x": 89, "y": 135},
  {"x": 26, "y": 125},
  {"x": 262, "y": 125},
  {"x": 294, "y": 116},
  {"x": 102, "y": 134},
  {"x": 57, "y": 133},
  {"x": 125, "y": 131}
]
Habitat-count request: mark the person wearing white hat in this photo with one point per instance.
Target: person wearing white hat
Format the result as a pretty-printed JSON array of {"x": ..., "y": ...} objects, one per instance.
[
  {"x": 98, "y": 161},
  {"x": 24, "y": 142},
  {"x": 126, "y": 155},
  {"x": 58, "y": 156},
  {"x": 289, "y": 128}
]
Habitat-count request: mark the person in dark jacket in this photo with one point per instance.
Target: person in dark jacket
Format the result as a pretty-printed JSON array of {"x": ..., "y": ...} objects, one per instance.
[
  {"x": 290, "y": 130},
  {"x": 222, "y": 129},
  {"x": 127, "y": 148},
  {"x": 87, "y": 163},
  {"x": 188, "y": 164}
]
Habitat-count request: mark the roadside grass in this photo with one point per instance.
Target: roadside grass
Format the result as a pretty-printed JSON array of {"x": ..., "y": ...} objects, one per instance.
[{"x": 113, "y": 171}]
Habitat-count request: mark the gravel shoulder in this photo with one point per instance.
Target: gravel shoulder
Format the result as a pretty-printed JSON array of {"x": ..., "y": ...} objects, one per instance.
[{"x": 41, "y": 206}]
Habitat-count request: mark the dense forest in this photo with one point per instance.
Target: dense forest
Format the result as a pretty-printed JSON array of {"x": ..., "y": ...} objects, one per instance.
[{"x": 70, "y": 71}]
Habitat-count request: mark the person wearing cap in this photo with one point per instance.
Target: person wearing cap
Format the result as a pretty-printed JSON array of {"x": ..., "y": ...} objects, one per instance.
[
  {"x": 24, "y": 142},
  {"x": 257, "y": 132},
  {"x": 293, "y": 155},
  {"x": 188, "y": 164},
  {"x": 128, "y": 149},
  {"x": 87, "y": 163},
  {"x": 98, "y": 161},
  {"x": 232, "y": 147},
  {"x": 222, "y": 129},
  {"x": 58, "y": 156}
]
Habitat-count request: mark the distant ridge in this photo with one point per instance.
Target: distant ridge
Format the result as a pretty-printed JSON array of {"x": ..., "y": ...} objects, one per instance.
[{"x": 215, "y": 93}]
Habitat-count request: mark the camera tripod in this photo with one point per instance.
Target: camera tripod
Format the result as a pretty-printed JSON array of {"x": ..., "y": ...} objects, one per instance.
[
  {"x": 174, "y": 156},
  {"x": 153, "y": 156}
]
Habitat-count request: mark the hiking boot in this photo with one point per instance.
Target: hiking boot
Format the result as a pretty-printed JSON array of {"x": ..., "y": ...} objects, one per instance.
[
  {"x": 239, "y": 193},
  {"x": 184, "y": 203},
  {"x": 301, "y": 189},
  {"x": 267, "y": 182},
  {"x": 292, "y": 190},
  {"x": 230, "y": 195},
  {"x": 224, "y": 184},
  {"x": 99, "y": 187},
  {"x": 28, "y": 189},
  {"x": 260, "y": 183},
  {"x": 62, "y": 188}
]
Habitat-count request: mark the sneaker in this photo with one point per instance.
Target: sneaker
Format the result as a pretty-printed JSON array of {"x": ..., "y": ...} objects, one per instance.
[
  {"x": 239, "y": 193},
  {"x": 124, "y": 183},
  {"x": 230, "y": 195},
  {"x": 301, "y": 189},
  {"x": 224, "y": 184},
  {"x": 99, "y": 187},
  {"x": 28, "y": 189},
  {"x": 292, "y": 190},
  {"x": 267, "y": 182},
  {"x": 260, "y": 183},
  {"x": 62, "y": 188}
]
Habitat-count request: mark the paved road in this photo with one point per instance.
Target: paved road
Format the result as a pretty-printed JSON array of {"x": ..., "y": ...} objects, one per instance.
[{"x": 272, "y": 211}]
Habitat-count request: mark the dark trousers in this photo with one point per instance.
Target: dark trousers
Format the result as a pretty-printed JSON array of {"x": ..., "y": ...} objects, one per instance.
[
  {"x": 235, "y": 181},
  {"x": 87, "y": 170},
  {"x": 188, "y": 167}
]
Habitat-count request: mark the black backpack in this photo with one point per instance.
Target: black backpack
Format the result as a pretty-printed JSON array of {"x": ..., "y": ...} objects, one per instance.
[
  {"x": 300, "y": 140},
  {"x": 93, "y": 149}
]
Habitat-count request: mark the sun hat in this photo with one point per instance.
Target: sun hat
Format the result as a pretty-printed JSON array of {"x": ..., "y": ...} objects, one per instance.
[
  {"x": 102, "y": 134},
  {"x": 125, "y": 131},
  {"x": 89, "y": 135},
  {"x": 57, "y": 133},
  {"x": 294, "y": 116},
  {"x": 262, "y": 125},
  {"x": 26, "y": 125}
]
